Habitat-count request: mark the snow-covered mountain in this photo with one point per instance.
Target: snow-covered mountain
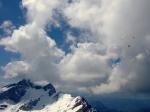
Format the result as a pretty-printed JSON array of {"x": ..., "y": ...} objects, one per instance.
[{"x": 26, "y": 96}]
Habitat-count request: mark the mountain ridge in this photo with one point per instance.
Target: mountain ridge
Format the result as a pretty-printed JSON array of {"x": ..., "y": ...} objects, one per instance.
[{"x": 25, "y": 96}]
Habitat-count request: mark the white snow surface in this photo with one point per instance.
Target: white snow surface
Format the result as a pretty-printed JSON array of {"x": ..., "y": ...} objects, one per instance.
[{"x": 61, "y": 105}]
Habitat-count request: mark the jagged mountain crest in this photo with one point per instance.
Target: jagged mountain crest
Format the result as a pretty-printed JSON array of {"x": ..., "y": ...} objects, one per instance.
[
  {"x": 15, "y": 92},
  {"x": 25, "y": 96}
]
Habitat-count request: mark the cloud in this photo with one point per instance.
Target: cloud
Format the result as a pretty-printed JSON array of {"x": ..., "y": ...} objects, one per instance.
[
  {"x": 110, "y": 55},
  {"x": 7, "y": 27},
  {"x": 116, "y": 24},
  {"x": 40, "y": 12},
  {"x": 86, "y": 62},
  {"x": 39, "y": 53},
  {"x": 15, "y": 68}
]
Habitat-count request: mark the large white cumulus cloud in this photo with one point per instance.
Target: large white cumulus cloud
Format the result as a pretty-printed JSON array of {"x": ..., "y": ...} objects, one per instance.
[
  {"x": 39, "y": 54},
  {"x": 111, "y": 54},
  {"x": 123, "y": 25}
]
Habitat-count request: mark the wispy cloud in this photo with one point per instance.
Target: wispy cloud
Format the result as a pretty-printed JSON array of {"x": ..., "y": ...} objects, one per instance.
[{"x": 7, "y": 27}]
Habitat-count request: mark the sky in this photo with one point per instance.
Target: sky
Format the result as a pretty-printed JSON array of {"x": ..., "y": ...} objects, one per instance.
[{"x": 94, "y": 47}]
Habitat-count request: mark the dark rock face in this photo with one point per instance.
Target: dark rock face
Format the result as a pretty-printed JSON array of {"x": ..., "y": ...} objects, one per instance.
[
  {"x": 3, "y": 106},
  {"x": 29, "y": 106},
  {"x": 50, "y": 88},
  {"x": 16, "y": 91}
]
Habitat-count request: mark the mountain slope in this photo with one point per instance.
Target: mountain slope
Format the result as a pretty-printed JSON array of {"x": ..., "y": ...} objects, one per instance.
[{"x": 26, "y": 96}]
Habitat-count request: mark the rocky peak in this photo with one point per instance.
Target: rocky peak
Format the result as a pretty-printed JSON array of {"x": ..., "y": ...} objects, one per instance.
[
  {"x": 15, "y": 92},
  {"x": 28, "y": 96},
  {"x": 79, "y": 104}
]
